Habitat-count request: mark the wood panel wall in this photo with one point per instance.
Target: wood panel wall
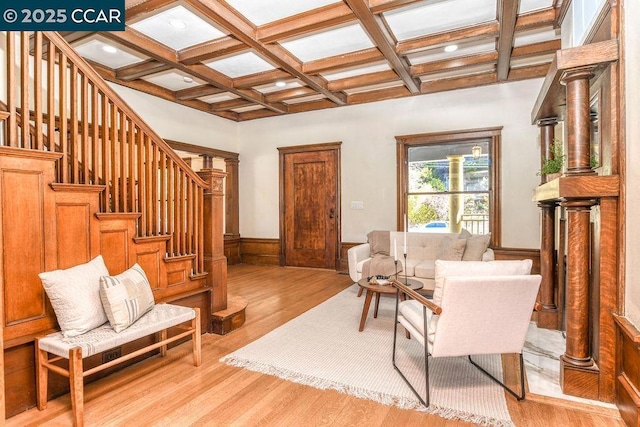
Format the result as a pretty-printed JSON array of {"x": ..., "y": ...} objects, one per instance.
[
  {"x": 260, "y": 251},
  {"x": 44, "y": 227}
]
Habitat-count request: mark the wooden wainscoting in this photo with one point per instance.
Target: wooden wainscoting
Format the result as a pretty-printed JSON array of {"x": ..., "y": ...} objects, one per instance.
[
  {"x": 267, "y": 252},
  {"x": 260, "y": 251},
  {"x": 628, "y": 396},
  {"x": 232, "y": 249},
  {"x": 344, "y": 259}
]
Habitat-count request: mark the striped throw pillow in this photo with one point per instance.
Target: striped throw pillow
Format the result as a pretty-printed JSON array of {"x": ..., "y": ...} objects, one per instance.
[{"x": 126, "y": 297}]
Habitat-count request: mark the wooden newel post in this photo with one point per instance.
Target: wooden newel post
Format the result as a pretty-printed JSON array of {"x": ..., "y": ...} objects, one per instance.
[{"x": 214, "y": 259}]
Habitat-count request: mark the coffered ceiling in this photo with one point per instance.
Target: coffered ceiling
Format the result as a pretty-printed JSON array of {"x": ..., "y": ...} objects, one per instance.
[{"x": 247, "y": 59}]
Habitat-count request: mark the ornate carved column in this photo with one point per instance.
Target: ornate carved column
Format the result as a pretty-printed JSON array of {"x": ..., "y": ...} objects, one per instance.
[{"x": 214, "y": 259}]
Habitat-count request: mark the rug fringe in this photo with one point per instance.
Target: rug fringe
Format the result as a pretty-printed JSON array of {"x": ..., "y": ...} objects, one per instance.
[{"x": 385, "y": 399}]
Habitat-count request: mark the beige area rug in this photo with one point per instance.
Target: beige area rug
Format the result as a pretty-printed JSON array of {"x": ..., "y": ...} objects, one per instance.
[{"x": 322, "y": 348}]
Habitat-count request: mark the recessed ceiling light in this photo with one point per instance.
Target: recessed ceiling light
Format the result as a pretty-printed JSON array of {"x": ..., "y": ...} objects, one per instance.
[
  {"x": 187, "y": 79},
  {"x": 280, "y": 83},
  {"x": 451, "y": 48},
  {"x": 178, "y": 24},
  {"x": 109, "y": 49}
]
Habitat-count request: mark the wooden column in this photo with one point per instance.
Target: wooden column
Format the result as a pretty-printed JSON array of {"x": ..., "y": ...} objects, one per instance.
[
  {"x": 548, "y": 317},
  {"x": 548, "y": 314},
  {"x": 578, "y": 121},
  {"x": 215, "y": 261},
  {"x": 547, "y": 137},
  {"x": 579, "y": 375}
]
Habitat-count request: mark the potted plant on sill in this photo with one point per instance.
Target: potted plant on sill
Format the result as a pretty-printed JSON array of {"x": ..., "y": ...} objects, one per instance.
[{"x": 552, "y": 166}]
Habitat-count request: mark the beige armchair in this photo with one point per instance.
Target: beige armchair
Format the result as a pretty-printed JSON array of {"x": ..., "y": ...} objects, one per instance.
[{"x": 477, "y": 308}]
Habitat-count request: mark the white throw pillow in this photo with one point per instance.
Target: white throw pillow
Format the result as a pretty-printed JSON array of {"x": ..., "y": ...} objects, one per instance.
[
  {"x": 126, "y": 297},
  {"x": 75, "y": 296}
]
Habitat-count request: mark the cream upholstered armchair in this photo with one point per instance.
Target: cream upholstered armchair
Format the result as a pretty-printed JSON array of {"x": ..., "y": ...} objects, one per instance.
[{"x": 477, "y": 308}]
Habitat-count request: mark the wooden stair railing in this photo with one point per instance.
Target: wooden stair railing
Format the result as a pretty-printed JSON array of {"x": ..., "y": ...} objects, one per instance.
[{"x": 57, "y": 102}]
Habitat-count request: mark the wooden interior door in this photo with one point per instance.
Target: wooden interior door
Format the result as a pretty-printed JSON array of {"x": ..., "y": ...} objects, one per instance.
[{"x": 309, "y": 205}]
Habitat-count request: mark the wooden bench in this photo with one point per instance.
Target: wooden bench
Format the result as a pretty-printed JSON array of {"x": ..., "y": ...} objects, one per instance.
[{"x": 75, "y": 349}]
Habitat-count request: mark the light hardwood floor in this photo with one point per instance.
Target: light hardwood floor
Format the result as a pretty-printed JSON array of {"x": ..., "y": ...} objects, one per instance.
[{"x": 170, "y": 391}]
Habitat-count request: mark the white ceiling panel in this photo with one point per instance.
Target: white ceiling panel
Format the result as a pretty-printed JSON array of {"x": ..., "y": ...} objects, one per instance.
[
  {"x": 271, "y": 87},
  {"x": 435, "y": 17},
  {"x": 440, "y": 54},
  {"x": 219, "y": 97},
  {"x": 173, "y": 80},
  {"x": 264, "y": 11},
  {"x": 529, "y": 37},
  {"x": 357, "y": 71},
  {"x": 531, "y": 5},
  {"x": 240, "y": 65},
  {"x": 459, "y": 72},
  {"x": 162, "y": 27},
  {"x": 329, "y": 43},
  {"x": 94, "y": 50}
]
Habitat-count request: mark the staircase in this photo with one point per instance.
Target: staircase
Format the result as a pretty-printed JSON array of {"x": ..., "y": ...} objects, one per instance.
[{"x": 81, "y": 174}]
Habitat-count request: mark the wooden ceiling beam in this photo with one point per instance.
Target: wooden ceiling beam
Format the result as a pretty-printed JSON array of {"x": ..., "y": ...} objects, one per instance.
[
  {"x": 378, "y": 95},
  {"x": 507, "y": 14},
  {"x": 136, "y": 40},
  {"x": 293, "y": 93},
  {"x": 203, "y": 52},
  {"x": 434, "y": 40},
  {"x": 197, "y": 92},
  {"x": 259, "y": 79},
  {"x": 155, "y": 90},
  {"x": 74, "y": 36},
  {"x": 229, "y": 104},
  {"x": 381, "y": 36},
  {"x": 306, "y": 22},
  {"x": 461, "y": 82},
  {"x": 536, "y": 49},
  {"x": 449, "y": 64},
  {"x": 141, "y": 69},
  {"x": 352, "y": 59},
  {"x": 142, "y": 8},
  {"x": 536, "y": 19},
  {"x": 311, "y": 106},
  {"x": 364, "y": 80},
  {"x": 379, "y": 6},
  {"x": 256, "y": 114},
  {"x": 529, "y": 72},
  {"x": 220, "y": 13}
]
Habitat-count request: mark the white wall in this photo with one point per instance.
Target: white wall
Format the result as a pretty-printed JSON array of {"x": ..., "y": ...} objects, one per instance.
[
  {"x": 632, "y": 94},
  {"x": 367, "y": 133},
  {"x": 173, "y": 121}
]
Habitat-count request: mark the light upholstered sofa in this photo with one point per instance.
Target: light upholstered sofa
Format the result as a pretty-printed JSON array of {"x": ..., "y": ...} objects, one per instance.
[{"x": 423, "y": 249}]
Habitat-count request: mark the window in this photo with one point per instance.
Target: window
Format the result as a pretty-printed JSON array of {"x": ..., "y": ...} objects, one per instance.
[{"x": 448, "y": 181}]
